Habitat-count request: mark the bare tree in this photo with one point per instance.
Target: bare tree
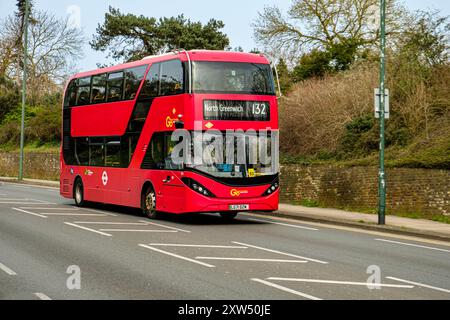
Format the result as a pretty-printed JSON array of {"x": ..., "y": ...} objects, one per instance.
[
  {"x": 319, "y": 24},
  {"x": 52, "y": 47}
]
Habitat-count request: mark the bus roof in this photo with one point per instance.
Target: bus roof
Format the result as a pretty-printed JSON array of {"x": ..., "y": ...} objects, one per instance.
[{"x": 194, "y": 55}]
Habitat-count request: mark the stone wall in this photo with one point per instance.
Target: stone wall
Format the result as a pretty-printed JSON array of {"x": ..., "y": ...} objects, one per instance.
[
  {"x": 410, "y": 191},
  {"x": 43, "y": 166}
]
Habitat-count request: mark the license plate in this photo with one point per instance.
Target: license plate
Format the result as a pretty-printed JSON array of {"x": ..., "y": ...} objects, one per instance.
[{"x": 239, "y": 207}]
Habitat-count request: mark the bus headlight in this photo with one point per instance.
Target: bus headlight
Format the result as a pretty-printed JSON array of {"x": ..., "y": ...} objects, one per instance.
[
  {"x": 197, "y": 187},
  {"x": 272, "y": 189}
]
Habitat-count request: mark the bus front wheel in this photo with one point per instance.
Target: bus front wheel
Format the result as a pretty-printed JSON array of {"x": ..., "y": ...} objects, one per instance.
[
  {"x": 149, "y": 203},
  {"x": 79, "y": 193}
]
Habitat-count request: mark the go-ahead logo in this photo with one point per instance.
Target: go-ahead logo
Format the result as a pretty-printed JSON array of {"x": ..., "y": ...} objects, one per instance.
[
  {"x": 105, "y": 178},
  {"x": 237, "y": 193}
]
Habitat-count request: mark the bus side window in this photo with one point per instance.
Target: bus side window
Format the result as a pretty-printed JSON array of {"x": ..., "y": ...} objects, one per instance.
[
  {"x": 98, "y": 89},
  {"x": 82, "y": 151},
  {"x": 71, "y": 94},
  {"x": 133, "y": 79},
  {"x": 83, "y": 91},
  {"x": 112, "y": 150},
  {"x": 96, "y": 152},
  {"x": 151, "y": 84},
  {"x": 172, "y": 75},
  {"x": 115, "y": 87}
]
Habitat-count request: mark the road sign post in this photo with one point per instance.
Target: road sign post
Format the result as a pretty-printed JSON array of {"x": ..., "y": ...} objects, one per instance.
[
  {"x": 382, "y": 173},
  {"x": 24, "y": 86}
]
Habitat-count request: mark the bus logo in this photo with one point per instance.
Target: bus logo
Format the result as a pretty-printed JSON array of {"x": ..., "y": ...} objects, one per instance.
[
  {"x": 170, "y": 122},
  {"x": 237, "y": 193},
  {"x": 105, "y": 178}
]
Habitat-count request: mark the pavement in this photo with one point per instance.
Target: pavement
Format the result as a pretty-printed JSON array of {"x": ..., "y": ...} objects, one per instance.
[
  {"x": 397, "y": 225},
  {"x": 50, "y": 249}
]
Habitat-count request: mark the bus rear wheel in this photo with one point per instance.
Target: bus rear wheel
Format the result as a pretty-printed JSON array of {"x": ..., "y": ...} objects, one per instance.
[
  {"x": 149, "y": 203},
  {"x": 228, "y": 216},
  {"x": 78, "y": 193}
]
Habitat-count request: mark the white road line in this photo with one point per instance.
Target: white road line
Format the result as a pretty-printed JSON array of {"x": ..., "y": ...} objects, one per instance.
[
  {"x": 195, "y": 246},
  {"x": 419, "y": 284},
  {"x": 129, "y": 230},
  {"x": 73, "y": 214},
  {"x": 283, "y": 224},
  {"x": 7, "y": 270},
  {"x": 298, "y": 293},
  {"x": 62, "y": 209},
  {"x": 88, "y": 229},
  {"x": 17, "y": 202},
  {"x": 42, "y": 296},
  {"x": 103, "y": 212},
  {"x": 251, "y": 259},
  {"x": 412, "y": 245},
  {"x": 279, "y": 252},
  {"x": 164, "y": 226},
  {"x": 43, "y": 202},
  {"x": 177, "y": 256},
  {"x": 28, "y": 212},
  {"x": 340, "y": 282},
  {"x": 112, "y": 223}
]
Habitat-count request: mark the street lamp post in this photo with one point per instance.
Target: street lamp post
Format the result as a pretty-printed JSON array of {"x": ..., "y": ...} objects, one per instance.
[
  {"x": 382, "y": 174},
  {"x": 24, "y": 87}
]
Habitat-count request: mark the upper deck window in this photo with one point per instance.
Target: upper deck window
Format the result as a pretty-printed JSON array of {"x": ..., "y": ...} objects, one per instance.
[
  {"x": 133, "y": 79},
  {"x": 84, "y": 91},
  {"x": 232, "y": 78},
  {"x": 115, "y": 86},
  {"x": 164, "y": 79},
  {"x": 98, "y": 89}
]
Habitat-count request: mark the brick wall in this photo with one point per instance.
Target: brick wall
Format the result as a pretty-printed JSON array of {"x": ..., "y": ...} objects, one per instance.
[{"x": 356, "y": 188}]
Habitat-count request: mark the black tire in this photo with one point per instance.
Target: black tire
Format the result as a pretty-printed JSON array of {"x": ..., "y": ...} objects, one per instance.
[
  {"x": 149, "y": 204},
  {"x": 78, "y": 193},
  {"x": 228, "y": 216}
]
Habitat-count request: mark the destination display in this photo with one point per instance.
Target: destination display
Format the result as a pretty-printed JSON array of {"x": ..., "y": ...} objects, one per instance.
[{"x": 236, "y": 110}]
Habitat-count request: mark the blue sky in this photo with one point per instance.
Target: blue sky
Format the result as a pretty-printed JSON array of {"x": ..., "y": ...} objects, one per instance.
[{"x": 237, "y": 15}]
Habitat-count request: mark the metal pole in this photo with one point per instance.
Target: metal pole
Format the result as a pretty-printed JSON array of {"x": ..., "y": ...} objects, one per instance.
[
  {"x": 382, "y": 174},
  {"x": 24, "y": 87}
]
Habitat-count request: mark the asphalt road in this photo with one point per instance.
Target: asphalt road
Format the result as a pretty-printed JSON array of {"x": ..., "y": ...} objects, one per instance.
[{"x": 50, "y": 249}]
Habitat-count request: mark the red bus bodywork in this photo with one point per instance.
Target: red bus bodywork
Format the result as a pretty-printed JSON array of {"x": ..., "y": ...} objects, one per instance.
[{"x": 124, "y": 186}]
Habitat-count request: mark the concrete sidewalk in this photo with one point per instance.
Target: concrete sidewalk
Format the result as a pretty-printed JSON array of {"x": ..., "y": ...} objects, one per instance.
[{"x": 394, "y": 224}]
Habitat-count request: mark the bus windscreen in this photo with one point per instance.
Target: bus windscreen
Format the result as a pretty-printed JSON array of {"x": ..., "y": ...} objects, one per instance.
[{"x": 232, "y": 78}]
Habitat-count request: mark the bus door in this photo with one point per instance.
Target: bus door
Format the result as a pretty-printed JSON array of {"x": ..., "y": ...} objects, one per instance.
[
  {"x": 94, "y": 174},
  {"x": 165, "y": 177},
  {"x": 112, "y": 176}
]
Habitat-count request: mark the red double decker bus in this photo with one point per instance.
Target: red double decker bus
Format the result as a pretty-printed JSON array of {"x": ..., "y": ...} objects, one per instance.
[{"x": 119, "y": 123}]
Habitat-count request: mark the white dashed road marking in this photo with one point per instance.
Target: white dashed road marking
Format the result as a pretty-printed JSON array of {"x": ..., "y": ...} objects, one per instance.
[
  {"x": 28, "y": 212},
  {"x": 298, "y": 293},
  {"x": 282, "y": 253},
  {"x": 42, "y": 296},
  {"x": 419, "y": 284},
  {"x": 7, "y": 270},
  {"x": 412, "y": 245},
  {"x": 88, "y": 229},
  {"x": 284, "y": 224},
  {"x": 351, "y": 283},
  {"x": 177, "y": 256},
  {"x": 251, "y": 259},
  {"x": 196, "y": 246}
]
